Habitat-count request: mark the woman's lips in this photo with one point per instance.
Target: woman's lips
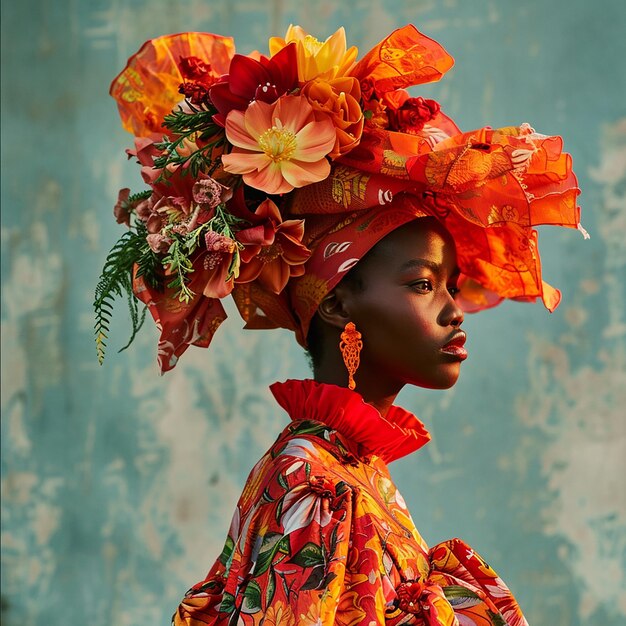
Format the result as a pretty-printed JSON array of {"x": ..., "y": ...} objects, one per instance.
[{"x": 455, "y": 347}]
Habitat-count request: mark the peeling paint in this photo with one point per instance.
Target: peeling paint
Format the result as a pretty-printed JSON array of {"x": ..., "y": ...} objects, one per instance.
[
  {"x": 580, "y": 410},
  {"x": 118, "y": 485}
]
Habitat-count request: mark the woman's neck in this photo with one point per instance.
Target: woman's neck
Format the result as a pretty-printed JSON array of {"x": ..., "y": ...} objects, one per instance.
[{"x": 375, "y": 390}]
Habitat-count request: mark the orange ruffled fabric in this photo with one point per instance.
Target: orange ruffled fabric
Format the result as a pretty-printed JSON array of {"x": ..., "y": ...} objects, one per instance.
[
  {"x": 391, "y": 437},
  {"x": 147, "y": 89},
  {"x": 489, "y": 187},
  {"x": 321, "y": 536}
]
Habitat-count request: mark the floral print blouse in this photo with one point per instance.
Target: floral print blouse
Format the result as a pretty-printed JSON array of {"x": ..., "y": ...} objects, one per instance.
[{"x": 322, "y": 536}]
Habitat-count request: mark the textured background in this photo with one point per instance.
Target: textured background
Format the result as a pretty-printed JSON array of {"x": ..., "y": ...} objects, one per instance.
[{"x": 118, "y": 485}]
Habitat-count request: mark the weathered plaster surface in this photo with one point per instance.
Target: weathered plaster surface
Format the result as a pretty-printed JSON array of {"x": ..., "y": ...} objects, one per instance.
[{"x": 118, "y": 485}]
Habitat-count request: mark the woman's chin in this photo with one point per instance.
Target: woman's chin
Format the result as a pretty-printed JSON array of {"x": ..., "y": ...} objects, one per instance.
[{"x": 445, "y": 381}]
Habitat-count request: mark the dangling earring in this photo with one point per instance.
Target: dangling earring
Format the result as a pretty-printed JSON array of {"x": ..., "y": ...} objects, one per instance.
[{"x": 350, "y": 347}]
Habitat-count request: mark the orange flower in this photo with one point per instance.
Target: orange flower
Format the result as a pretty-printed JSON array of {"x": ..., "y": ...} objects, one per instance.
[
  {"x": 349, "y": 611},
  {"x": 317, "y": 59},
  {"x": 312, "y": 617},
  {"x": 376, "y": 114},
  {"x": 278, "y": 257},
  {"x": 339, "y": 98},
  {"x": 279, "y": 146},
  {"x": 279, "y": 614}
]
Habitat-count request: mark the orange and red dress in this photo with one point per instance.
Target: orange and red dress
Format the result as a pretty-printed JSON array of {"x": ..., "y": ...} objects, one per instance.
[{"x": 322, "y": 536}]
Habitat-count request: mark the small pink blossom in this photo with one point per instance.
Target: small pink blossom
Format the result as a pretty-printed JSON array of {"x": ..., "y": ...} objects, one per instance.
[
  {"x": 209, "y": 193},
  {"x": 218, "y": 259},
  {"x": 159, "y": 243}
]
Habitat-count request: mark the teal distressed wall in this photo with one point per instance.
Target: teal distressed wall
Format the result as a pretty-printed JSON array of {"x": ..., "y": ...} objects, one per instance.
[{"x": 118, "y": 485}]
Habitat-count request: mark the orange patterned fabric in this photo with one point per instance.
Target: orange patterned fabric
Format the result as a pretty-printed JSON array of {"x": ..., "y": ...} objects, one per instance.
[
  {"x": 321, "y": 536},
  {"x": 403, "y": 59}
]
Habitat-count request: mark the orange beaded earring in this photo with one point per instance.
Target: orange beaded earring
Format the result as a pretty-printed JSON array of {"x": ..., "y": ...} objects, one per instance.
[{"x": 350, "y": 347}]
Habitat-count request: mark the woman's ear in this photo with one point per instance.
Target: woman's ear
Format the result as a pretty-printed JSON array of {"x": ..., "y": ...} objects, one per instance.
[{"x": 331, "y": 310}]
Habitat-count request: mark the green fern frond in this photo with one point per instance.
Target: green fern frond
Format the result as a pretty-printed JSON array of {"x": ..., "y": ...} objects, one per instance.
[
  {"x": 178, "y": 260},
  {"x": 195, "y": 124},
  {"x": 116, "y": 281}
]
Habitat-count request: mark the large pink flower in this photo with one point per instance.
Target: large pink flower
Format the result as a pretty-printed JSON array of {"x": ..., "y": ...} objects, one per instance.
[{"x": 279, "y": 146}]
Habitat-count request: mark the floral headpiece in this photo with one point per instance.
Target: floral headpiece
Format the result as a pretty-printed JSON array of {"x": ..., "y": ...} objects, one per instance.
[{"x": 252, "y": 162}]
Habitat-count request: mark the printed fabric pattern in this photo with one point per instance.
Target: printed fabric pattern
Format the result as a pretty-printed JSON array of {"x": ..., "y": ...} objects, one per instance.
[{"x": 322, "y": 536}]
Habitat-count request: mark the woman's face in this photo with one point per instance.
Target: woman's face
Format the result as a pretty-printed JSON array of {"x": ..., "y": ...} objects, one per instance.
[{"x": 405, "y": 309}]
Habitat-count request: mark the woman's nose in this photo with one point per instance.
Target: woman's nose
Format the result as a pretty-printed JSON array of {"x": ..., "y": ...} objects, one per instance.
[{"x": 453, "y": 314}]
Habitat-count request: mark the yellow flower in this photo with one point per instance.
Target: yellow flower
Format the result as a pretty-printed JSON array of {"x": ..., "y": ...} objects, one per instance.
[{"x": 317, "y": 59}]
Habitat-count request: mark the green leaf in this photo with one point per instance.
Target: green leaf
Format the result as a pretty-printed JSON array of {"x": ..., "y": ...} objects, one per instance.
[
  {"x": 282, "y": 481},
  {"x": 457, "y": 591},
  {"x": 496, "y": 619},
  {"x": 315, "y": 580},
  {"x": 341, "y": 487},
  {"x": 190, "y": 124},
  {"x": 227, "y": 605},
  {"x": 266, "y": 497},
  {"x": 251, "y": 598},
  {"x": 267, "y": 552},
  {"x": 116, "y": 281},
  {"x": 227, "y": 551},
  {"x": 284, "y": 546},
  {"x": 309, "y": 556},
  {"x": 333, "y": 541},
  {"x": 278, "y": 512},
  {"x": 270, "y": 589},
  {"x": 308, "y": 427}
]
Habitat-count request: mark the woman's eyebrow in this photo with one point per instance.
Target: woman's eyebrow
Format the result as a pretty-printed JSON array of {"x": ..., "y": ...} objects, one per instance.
[{"x": 413, "y": 263}]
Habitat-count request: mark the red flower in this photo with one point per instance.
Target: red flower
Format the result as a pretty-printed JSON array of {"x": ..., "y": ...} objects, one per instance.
[
  {"x": 194, "y": 68},
  {"x": 410, "y": 597},
  {"x": 196, "y": 92},
  {"x": 199, "y": 78},
  {"x": 173, "y": 181},
  {"x": 249, "y": 80},
  {"x": 273, "y": 250},
  {"x": 411, "y": 116},
  {"x": 122, "y": 207},
  {"x": 322, "y": 486}
]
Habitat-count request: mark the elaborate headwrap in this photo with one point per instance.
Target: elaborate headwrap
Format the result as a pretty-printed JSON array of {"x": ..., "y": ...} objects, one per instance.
[{"x": 270, "y": 177}]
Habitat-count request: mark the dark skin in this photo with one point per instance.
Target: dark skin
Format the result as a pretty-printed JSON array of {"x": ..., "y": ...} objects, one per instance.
[{"x": 403, "y": 303}]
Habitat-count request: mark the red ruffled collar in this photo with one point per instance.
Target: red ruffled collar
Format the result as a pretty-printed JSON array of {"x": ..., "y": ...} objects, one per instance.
[{"x": 391, "y": 437}]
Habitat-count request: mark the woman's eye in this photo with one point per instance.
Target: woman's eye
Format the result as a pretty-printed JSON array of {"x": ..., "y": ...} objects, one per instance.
[
  {"x": 454, "y": 291},
  {"x": 422, "y": 285}
]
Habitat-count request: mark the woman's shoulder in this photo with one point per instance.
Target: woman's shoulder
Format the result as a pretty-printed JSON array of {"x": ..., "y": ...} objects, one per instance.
[{"x": 306, "y": 455}]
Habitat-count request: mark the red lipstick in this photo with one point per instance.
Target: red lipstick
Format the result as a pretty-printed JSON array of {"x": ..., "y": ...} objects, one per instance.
[{"x": 455, "y": 347}]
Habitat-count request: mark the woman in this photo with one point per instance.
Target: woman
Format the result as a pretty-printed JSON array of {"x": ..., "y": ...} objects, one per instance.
[{"x": 326, "y": 200}]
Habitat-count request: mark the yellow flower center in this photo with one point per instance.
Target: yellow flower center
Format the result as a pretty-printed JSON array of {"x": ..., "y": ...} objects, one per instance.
[
  {"x": 278, "y": 143},
  {"x": 269, "y": 253},
  {"x": 312, "y": 45}
]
